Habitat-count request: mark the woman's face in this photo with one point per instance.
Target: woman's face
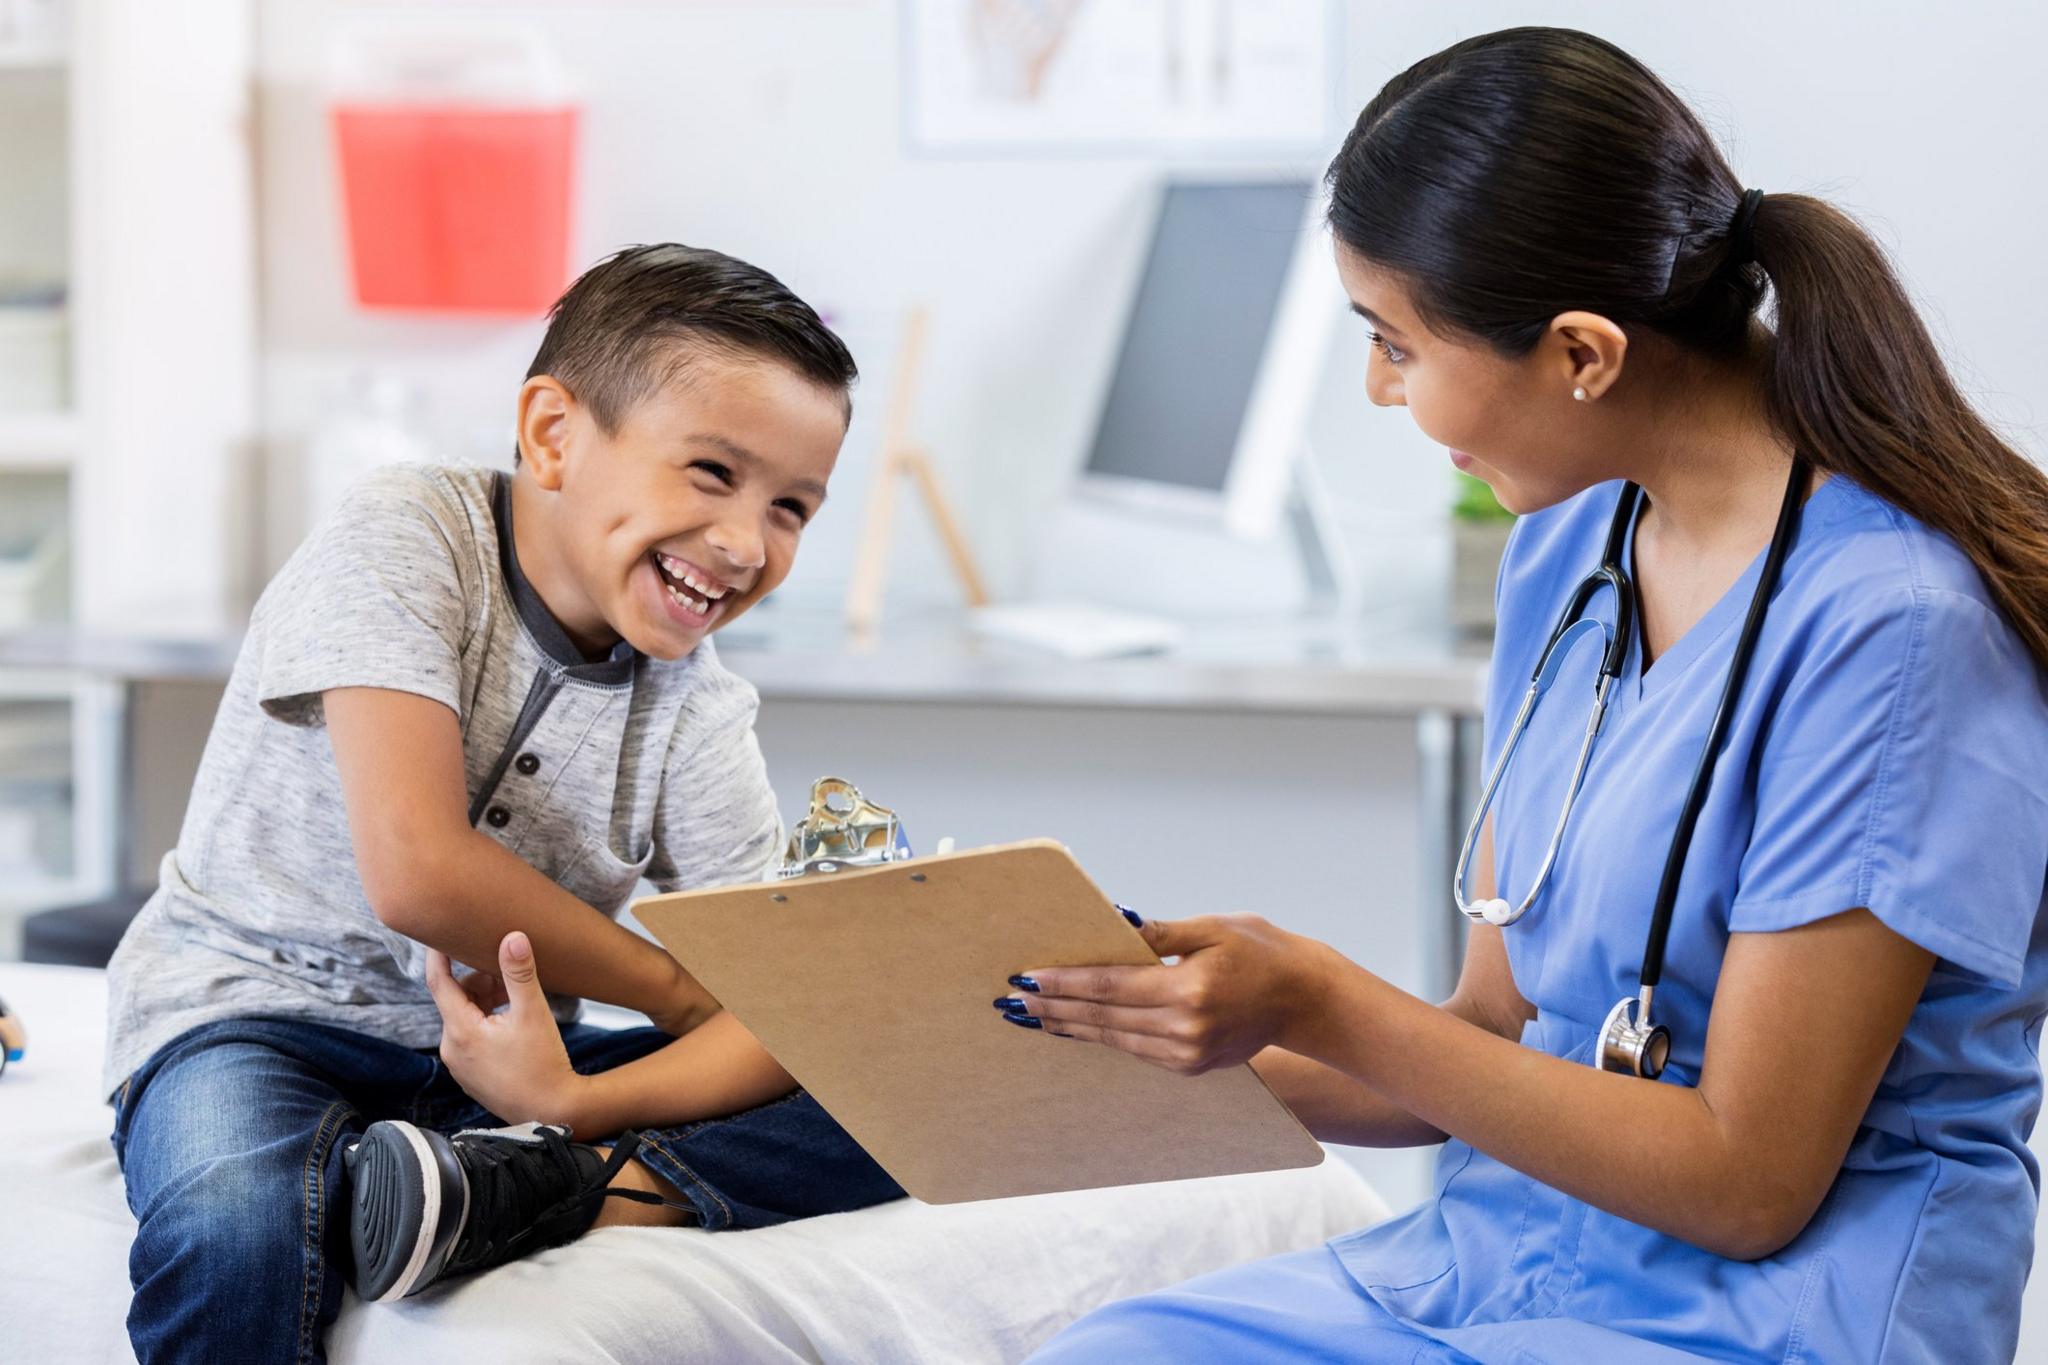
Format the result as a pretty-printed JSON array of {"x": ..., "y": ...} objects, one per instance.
[{"x": 1511, "y": 422}]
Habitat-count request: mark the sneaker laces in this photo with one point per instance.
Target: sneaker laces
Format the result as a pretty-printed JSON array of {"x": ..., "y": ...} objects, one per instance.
[{"x": 526, "y": 1196}]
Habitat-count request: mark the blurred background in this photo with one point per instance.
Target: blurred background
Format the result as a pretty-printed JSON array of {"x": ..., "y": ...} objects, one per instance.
[{"x": 251, "y": 248}]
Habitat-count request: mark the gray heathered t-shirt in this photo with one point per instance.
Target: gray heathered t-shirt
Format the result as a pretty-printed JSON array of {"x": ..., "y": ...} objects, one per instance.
[{"x": 595, "y": 773}]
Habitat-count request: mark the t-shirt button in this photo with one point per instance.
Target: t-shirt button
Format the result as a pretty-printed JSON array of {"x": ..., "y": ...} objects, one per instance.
[
  {"x": 498, "y": 817},
  {"x": 527, "y": 764}
]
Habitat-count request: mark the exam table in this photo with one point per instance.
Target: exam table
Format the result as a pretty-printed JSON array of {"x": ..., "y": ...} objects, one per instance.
[{"x": 901, "y": 1282}]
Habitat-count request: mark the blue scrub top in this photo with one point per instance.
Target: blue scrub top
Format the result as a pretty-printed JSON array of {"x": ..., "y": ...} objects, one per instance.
[{"x": 1889, "y": 751}]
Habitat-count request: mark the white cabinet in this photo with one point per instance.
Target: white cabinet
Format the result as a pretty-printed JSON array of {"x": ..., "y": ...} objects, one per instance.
[
  {"x": 127, "y": 385},
  {"x": 60, "y": 746}
]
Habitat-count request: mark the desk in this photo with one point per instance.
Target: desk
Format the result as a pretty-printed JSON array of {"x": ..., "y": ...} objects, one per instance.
[{"x": 1388, "y": 665}]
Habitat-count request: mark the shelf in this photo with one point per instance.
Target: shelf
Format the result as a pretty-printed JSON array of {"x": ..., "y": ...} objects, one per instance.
[
  {"x": 37, "y": 440},
  {"x": 41, "y": 56},
  {"x": 24, "y": 896}
]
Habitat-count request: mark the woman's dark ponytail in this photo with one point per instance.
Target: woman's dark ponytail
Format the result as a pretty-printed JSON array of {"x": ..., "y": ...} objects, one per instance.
[
  {"x": 1522, "y": 174},
  {"x": 1857, "y": 383}
]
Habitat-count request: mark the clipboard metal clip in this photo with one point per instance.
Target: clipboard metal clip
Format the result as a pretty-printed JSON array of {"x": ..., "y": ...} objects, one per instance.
[{"x": 843, "y": 829}]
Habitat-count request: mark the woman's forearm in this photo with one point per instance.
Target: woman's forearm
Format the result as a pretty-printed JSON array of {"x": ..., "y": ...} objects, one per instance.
[
  {"x": 1340, "y": 1108},
  {"x": 717, "y": 1068},
  {"x": 1735, "y": 1163},
  {"x": 1337, "y": 1107}
]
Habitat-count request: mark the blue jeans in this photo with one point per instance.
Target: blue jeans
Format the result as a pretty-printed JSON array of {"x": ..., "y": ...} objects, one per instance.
[{"x": 230, "y": 1139}]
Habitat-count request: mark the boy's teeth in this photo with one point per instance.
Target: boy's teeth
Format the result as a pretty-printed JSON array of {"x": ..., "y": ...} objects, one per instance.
[
  {"x": 683, "y": 599},
  {"x": 677, "y": 569}
]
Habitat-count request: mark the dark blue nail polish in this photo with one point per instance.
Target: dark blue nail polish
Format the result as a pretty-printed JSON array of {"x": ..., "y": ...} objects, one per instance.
[
  {"x": 1008, "y": 1004},
  {"x": 1024, "y": 983},
  {"x": 1023, "y": 1021},
  {"x": 1137, "y": 921}
]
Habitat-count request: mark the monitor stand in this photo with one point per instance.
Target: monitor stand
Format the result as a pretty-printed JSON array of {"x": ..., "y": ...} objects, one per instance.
[
  {"x": 1329, "y": 571},
  {"x": 1193, "y": 569}
]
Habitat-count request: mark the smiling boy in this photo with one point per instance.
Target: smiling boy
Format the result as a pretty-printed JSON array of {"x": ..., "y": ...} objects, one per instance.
[{"x": 474, "y": 703}]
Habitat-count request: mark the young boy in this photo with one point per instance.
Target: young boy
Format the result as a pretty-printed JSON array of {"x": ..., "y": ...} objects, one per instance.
[{"x": 470, "y": 704}]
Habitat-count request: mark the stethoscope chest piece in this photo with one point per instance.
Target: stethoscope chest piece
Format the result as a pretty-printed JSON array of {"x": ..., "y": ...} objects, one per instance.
[{"x": 1630, "y": 1043}]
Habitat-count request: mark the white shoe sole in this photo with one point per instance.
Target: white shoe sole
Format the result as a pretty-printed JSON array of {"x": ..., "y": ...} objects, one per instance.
[{"x": 401, "y": 1182}]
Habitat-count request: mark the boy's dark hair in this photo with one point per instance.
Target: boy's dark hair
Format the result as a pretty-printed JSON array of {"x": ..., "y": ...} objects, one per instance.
[{"x": 635, "y": 320}]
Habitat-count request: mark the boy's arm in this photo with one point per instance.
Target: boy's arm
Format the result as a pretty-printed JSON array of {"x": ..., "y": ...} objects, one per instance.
[
  {"x": 432, "y": 877},
  {"x": 513, "y": 1062}
]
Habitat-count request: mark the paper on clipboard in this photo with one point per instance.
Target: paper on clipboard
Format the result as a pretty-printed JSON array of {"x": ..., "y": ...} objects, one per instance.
[{"x": 872, "y": 988}]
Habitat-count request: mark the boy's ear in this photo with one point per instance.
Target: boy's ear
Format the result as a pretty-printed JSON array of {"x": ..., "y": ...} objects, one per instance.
[{"x": 544, "y": 428}]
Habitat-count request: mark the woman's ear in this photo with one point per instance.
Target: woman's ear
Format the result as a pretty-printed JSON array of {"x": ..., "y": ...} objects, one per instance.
[
  {"x": 544, "y": 407},
  {"x": 1586, "y": 352}
]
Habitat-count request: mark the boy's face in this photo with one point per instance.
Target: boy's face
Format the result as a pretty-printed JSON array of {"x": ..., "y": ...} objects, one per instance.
[{"x": 690, "y": 512}]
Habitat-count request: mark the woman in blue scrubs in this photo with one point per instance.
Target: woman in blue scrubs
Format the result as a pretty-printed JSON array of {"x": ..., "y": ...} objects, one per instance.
[{"x": 1564, "y": 278}]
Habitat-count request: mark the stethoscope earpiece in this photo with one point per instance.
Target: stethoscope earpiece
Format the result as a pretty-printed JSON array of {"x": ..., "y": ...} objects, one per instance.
[{"x": 1496, "y": 911}]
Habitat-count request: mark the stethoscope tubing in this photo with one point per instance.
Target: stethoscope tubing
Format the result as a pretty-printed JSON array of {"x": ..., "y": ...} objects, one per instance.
[
  {"x": 1717, "y": 730},
  {"x": 1573, "y": 625}
]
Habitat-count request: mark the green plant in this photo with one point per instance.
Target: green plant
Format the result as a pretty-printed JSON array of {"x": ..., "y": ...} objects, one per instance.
[{"x": 1475, "y": 502}]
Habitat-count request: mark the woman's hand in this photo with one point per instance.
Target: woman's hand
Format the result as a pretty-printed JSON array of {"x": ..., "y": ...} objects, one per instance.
[
  {"x": 512, "y": 1063},
  {"x": 1240, "y": 985}
]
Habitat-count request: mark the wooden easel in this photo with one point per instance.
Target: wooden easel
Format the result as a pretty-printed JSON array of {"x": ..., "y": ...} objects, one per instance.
[{"x": 899, "y": 457}]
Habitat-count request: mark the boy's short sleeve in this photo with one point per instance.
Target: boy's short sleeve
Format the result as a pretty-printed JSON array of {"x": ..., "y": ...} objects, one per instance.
[
  {"x": 1903, "y": 777},
  {"x": 716, "y": 822},
  {"x": 374, "y": 598}
]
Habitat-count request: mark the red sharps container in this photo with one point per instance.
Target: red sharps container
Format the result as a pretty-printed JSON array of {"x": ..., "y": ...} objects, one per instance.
[{"x": 458, "y": 170}]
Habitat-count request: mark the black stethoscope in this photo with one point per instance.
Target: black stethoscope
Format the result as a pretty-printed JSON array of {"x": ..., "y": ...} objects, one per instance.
[{"x": 1629, "y": 1041}]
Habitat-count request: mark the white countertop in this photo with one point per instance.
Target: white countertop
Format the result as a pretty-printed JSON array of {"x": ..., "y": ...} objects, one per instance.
[{"x": 1382, "y": 664}]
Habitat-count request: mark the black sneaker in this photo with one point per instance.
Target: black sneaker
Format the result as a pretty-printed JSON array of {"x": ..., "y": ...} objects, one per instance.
[{"x": 424, "y": 1206}]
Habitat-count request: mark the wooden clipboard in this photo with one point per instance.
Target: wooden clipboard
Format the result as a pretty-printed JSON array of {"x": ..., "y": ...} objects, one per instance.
[{"x": 873, "y": 987}]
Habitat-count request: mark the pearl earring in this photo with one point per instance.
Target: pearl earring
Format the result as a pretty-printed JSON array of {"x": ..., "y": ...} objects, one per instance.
[{"x": 1579, "y": 393}]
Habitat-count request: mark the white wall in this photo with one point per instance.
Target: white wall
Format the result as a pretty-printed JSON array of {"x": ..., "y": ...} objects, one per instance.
[
  {"x": 1927, "y": 122},
  {"x": 772, "y": 130}
]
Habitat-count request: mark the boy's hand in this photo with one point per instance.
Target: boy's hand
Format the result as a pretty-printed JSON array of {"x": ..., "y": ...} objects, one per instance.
[
  {"x": 512, "y": 1063},
  {"x": 486, "y": 990}
]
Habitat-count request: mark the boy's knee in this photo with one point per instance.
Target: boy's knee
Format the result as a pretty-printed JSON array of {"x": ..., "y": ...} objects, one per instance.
[
  {"x": 230, "y": 1214},
  {"x": 233, "y": 1258},
  {"x": 230, "y": 1201}
]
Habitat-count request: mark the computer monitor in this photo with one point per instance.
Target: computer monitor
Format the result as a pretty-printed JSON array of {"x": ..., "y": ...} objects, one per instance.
[{"x": 1209, "y": 405}]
